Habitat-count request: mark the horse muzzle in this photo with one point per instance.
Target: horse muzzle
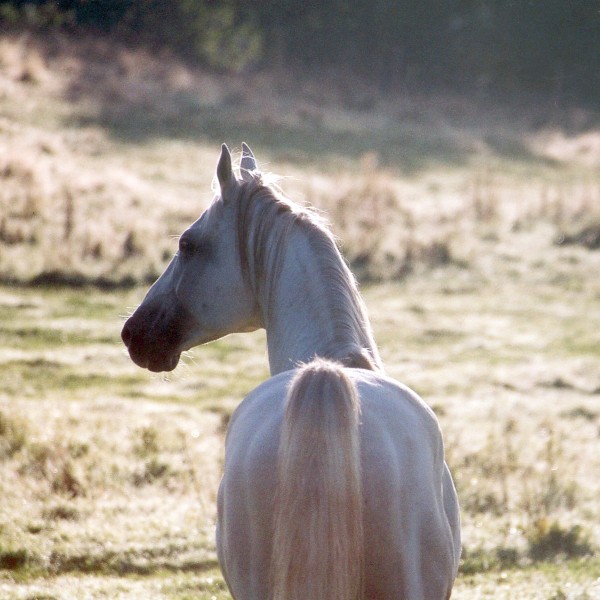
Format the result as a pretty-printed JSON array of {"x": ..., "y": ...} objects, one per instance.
[{"x": 155, "y": 333}]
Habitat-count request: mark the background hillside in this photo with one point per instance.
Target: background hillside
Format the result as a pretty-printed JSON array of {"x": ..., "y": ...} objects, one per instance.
[{"x": 93, "y": 128}]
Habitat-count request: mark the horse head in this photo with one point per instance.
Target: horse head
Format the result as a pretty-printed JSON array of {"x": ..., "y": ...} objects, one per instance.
[{"x": 203, "y": 294}]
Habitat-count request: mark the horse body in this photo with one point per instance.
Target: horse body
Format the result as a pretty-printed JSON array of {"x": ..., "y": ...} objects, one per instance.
[
  {"x": 254, "y": 260},
  {"x": 411, "y": 545}
]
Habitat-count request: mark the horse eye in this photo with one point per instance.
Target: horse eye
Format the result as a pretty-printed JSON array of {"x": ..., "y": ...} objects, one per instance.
[
  {"x": 189, "y": 247},
  {"x": 185, "y": 246}
]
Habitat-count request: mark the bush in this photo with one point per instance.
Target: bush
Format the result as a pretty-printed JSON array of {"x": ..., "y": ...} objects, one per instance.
[
  {"x": 550, "y": 540},
  {"x": 13, "y": 436},
  {"x": 53, "y": 463},
  {"x": 14, "y": 559},
  {"x": 216, "y": 34},
  {"x": 154, "y": 470},
  {"x": 481, "y": 560}
]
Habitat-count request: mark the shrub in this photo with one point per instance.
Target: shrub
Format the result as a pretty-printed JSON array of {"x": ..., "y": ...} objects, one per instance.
[
  {"x": 13, "y": 559},
  {"x": 52, "y": 463},
  {"x": 149, "y": 442},
  {"x": 62, "y": 512},
  {"x": 13, "y": 436},
  {"x": 153, "y": 471},
  {"x": 483, "y": 560},
  {"x": 550, "y": 540}
]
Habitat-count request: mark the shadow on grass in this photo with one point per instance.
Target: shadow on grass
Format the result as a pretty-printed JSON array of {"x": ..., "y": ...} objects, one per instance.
[
  {"x": 120, "y": 564},
  {"x": 106, "y": 563},
  {"x": 138, "y": 96},
  {"x": 412, "y": 145}
]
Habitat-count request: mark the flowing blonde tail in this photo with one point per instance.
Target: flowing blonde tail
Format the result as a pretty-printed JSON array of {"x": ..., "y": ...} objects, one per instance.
[{"x": 318, "y": 523}]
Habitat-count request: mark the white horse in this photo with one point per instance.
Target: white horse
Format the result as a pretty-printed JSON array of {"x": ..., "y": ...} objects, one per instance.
[{"x": 334, "y": 485}]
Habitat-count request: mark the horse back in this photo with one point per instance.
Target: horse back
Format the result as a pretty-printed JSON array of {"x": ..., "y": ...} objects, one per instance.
[{"x": 410, "y": 539}]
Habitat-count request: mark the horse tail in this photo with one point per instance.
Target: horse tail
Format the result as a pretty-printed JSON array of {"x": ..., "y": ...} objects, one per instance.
[{"x": 318, "y": 547}]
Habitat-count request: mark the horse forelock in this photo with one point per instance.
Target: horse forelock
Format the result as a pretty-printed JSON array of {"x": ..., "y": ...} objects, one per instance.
[{"x": 265, "y": 221}]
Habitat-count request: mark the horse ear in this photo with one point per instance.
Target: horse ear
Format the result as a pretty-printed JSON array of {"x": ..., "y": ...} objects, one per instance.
[
  {"x": 224, "y": 169},
  {"x": 248, "y": 162}
]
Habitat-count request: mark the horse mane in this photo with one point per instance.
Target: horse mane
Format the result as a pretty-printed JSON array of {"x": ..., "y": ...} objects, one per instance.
[{"x": 265, "y": 220}]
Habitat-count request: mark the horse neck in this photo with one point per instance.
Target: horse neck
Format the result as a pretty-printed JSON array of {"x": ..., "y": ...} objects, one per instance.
[{"x": 313, "y": 307}]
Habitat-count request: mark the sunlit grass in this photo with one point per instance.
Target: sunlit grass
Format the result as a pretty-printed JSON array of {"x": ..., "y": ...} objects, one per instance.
[
  {"x": 119, "y": 467},
  {"x": 470, "y": 236}
]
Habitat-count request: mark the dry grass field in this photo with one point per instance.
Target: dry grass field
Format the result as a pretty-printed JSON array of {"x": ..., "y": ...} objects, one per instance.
[{"x": 475, "y": 232}]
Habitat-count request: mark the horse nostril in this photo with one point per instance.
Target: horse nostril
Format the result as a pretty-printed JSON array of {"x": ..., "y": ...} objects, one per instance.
[{"x": 126, "y": 334}]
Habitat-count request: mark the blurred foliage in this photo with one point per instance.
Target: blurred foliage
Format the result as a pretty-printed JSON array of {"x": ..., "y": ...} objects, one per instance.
[
  {"x": 549, "y": 46},
  {"x": 215, "y": 33},
  {"x": 549, "y": 540}
]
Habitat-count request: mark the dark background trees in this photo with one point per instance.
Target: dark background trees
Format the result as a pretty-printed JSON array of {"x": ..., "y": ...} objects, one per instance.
[{"x": 549, "y": 46}]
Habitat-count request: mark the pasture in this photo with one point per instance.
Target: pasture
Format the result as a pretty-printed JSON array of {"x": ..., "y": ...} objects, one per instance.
[{"x": 476, "y": 239}]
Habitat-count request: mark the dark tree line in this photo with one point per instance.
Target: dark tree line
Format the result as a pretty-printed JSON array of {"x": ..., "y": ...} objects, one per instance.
[{"x": 546, "y": 45}]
